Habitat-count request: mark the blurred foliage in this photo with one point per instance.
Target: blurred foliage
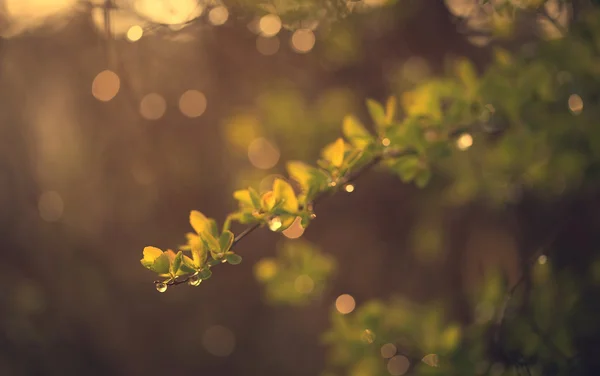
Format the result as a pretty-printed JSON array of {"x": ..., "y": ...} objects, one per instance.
[
  {"x": 297, "y": 275},
  {"x": 529, "y": 331},
  {"x": 524, "y": 124}
]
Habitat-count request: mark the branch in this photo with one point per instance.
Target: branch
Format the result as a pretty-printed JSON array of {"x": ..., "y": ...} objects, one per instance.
[
  {"x": 350, "y": 178},
  {"x": 387, "y": 154}
]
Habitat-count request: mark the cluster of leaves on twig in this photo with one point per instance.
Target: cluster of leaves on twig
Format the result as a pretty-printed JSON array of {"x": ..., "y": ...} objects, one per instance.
[
  {"x": 435, "y": 113},
  {"x": 403, "y": 146}
]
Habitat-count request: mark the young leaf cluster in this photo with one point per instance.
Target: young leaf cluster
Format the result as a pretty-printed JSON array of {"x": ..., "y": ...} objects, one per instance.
[{"x": 400, "y": 145}]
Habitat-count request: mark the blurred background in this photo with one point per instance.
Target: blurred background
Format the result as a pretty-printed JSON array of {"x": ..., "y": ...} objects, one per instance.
[{"x": 119, "y": 117}]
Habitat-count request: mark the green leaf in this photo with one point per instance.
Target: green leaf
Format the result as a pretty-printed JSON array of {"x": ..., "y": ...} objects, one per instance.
[
  {"x": 355, "y": 132},
  {"x": 423, "y": 177},
  {"x": 199, "y": 254},
  {"x": 225, "y": 241},
  {"x": 467, "y": 74},
  {"x": 156, "y": 260},
  {"x": 390, "y": 110},
  {"x": 255, "y": 197},
  {"x": 187, "y": 267},
  {"x": 334, "y": 152},
  {"x": 311, "y": 179},
  {"x": 301, "y": 173},
  {"x": 283, "y": 192},
  {"x": 214, "y": 229},
  {"x": 244, "y": 198},
  {"x": 205, "y": 273},
  {"x": 198, "y": 221},
  {"x": 161, "y": 265},
  {"x": 211, "y": 242},
  {"x": 177, "y": 261},
  {"x": 150, "y": 255},
  {"x": 233, "y": 258},
  {"x": 377, "y": 113}
]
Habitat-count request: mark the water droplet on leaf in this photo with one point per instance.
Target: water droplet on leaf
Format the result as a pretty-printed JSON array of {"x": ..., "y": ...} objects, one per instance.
[
  {"x": 194, "y": 281},
  {"x": 275, "y": 224},
  {"x": 161, "y": 287}
]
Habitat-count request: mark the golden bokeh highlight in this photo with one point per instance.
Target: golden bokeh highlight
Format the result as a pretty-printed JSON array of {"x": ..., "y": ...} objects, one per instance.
[
  {"x": 464, "y": 142},
  {"x": 135, "y": 33},
  {"x": 36, "y": 9},
  {"x": 388, "y": 350},
  {"x": 173, "y": 12},
  {"x": 269, "y": 25},
  {"x": 398, "y": 365},
  {"x": 262, "y": 154},
  {"x": 218, "y": 15},
  {"x": 295, "y": 230},
  {"x": 431, "y": 360},
  {"x": 386, "y": 142},
  {"x": 241, "y": 129},
  {"x": 106, "y": 85},
  {"x": 575, "y": 104},
  {"x": 50, "y": 206},
  {"x": 265, "y": 269},
  {"x": 542, "y": 259},
  {"x": 349, "y": 188},
  {"x": 267, "y": 45},
  {"x": 345, "y": 304},
  {"x": 192, "y": 103},
  {"x": 219, "y": 341},
  {"x": 303, "y": 40},
  {"x": 153, "y": 106},
  {"x": 304, "y": 284}
]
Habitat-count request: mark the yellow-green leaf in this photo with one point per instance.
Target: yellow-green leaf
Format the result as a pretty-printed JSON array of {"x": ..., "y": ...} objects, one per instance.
[
  {"x": 334, "y": 152},
  {"x": 255, "y": 197},
  {"x": 199, "y": 254},
  {"x": 151, "y": 254},
  {"x": 225, "y": 241},
  {"x": 161, "y": 265},
  {"x": 198, "y": 221},
  {"x": 244, "y": 198},
  {"x": 355, "y": 132},
  {"x": 377, "y": 112},
  {"x": 156, "y": 260},
  {"x": 176, "y": 263},
  {"x": 233, "y": 259},
  {"x": 211, "y": 242},
  {"x": 283, "y": 192},
  {"x": 187, "y": 266},
  {"x": 390, "y": 110},
  {"x": 467, "y": 74}
]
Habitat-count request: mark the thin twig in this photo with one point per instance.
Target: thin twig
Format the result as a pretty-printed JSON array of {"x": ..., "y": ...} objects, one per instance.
[{"x": 378, "y": 158}]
